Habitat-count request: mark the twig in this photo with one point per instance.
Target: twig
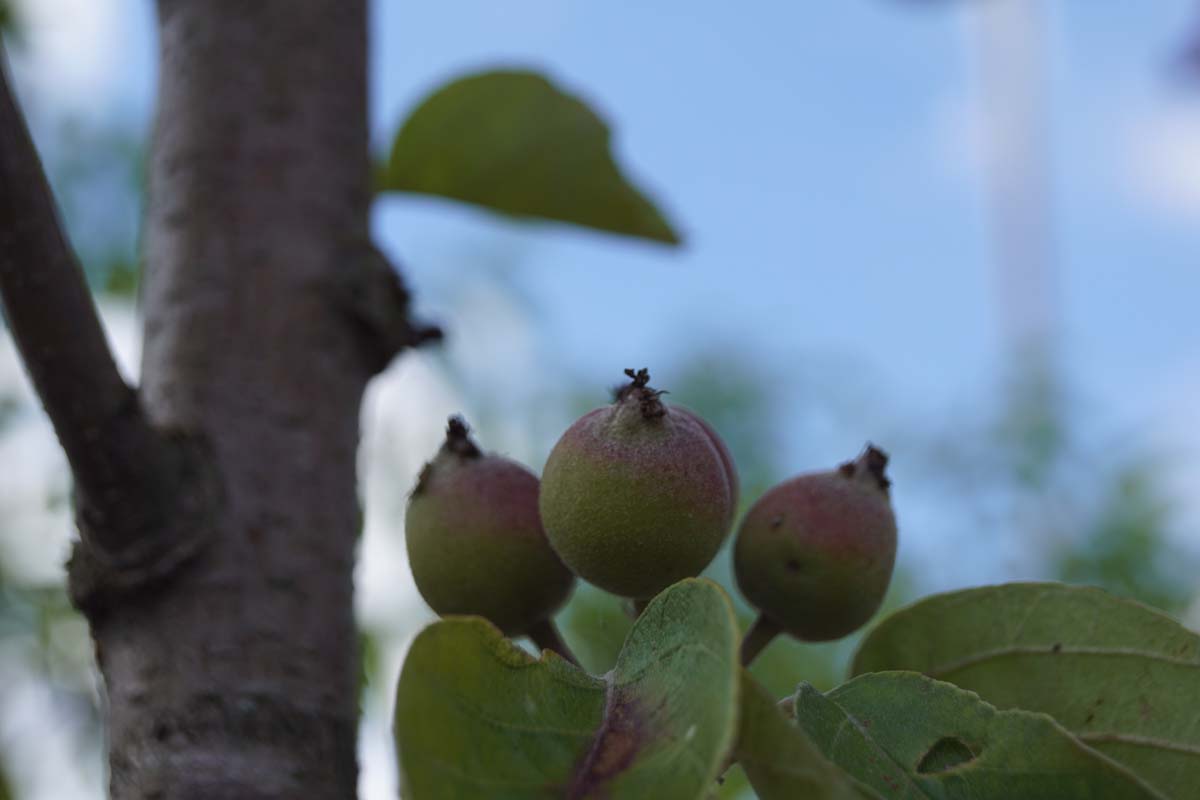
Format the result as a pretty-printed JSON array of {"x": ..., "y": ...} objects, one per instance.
[
  {"x": 111, "y": 448},
  {"x": 761, "y": 634}
]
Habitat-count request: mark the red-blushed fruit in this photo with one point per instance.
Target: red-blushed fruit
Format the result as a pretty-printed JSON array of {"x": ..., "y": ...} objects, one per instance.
[
  {"x": 731, "y": 474},
  {"x": 815, "y": 553},
  {"x": 635, "y": 495},
  {"x": 475, "y": 540}
]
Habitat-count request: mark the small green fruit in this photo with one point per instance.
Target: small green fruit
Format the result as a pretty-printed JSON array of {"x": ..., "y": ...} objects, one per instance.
[
  {"x": 475, "y": 540},
  {"x": 815, "y": 553},
  {"x": 731, "y": 475},
  {"x": 635, "y": 495}
]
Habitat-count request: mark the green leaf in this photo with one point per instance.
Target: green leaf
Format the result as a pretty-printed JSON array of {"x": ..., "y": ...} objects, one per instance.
[
  {"x": 515, "y": 143},
  {"x": 1122, "y": 677},
  {"x": 780, "y": 760},
  {"x": 121, "y": 277},
  {"x": 909, "y": 736},
  {"x": 477, "y": 716}
]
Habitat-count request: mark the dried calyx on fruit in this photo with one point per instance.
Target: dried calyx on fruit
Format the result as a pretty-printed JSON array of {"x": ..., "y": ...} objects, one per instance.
[
  {"x": 476, "y": 544},
  {"x": 637, "y": 495},
  {"x": 815, "y": 554}
]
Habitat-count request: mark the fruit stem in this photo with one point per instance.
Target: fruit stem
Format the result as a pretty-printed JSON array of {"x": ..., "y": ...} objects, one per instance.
[
  {"x": 761, "y": 633},
  {"x": 546, "y": 636}
]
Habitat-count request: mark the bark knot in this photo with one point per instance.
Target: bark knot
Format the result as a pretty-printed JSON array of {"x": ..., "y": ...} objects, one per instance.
[{"x": 166, "y": 520}]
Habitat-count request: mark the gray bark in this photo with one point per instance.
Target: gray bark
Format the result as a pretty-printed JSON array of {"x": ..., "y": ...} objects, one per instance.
[
  {"x": 239, "y": 678},
  {"x": 217, "y": 573},
  {"x": 50, "y": 313}
]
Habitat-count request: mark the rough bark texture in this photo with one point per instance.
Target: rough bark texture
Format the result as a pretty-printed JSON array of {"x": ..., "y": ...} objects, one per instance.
[
  {"x": 52, "y": 319},
  {"x": 238, "y": 677},
  {"x": 217, "y": 504}
]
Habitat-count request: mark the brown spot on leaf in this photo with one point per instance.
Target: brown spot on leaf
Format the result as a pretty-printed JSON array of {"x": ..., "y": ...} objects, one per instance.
[
  {"x": 614, "y": 749},
  {"x": 1057, "y": 648}
]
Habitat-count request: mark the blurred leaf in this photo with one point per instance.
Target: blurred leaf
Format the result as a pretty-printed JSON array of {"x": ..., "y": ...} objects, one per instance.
[
  {"x": 11, "y": 26},
  {"x": 734, "y": 785},
  {"x": 912, "y": 737},
  {"x": 477, "y": 716},
  {"x": 780, "y": 760},
  {"x": 370, "y": 663},
  {"x": 121, "y": 277},
  {"x": 740, "y": 399},
  {"x": 1122, "y": 677},
  {"x": 1125, "y": 549},
  {"x": 513, "y": 142},
  {"x": 595, "y": 625},
  {"x": 8, "y": 409},
  {"x": 1032, "y": 433}
]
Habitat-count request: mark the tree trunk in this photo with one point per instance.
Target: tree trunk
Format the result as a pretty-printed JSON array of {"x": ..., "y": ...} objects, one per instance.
[
  {"x": 216, "y": 505},
  {"x": 238, "y": 677}
]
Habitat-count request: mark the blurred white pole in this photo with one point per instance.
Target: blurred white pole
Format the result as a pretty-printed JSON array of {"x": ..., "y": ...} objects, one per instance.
[{"x": 1009, "y": 40}]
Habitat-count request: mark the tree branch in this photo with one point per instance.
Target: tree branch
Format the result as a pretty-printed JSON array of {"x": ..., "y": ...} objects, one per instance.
[
  {"x": 373, "y": 296},
  {"x": 116, "y": 457}
]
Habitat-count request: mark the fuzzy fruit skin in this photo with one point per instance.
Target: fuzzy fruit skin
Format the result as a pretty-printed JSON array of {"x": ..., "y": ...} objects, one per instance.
[
  {"x": 731, "y": 474},
  {"x": 815, "y": 553},
  {"x": 633, "y": 503},
  {"x": 476, "y": 545}
]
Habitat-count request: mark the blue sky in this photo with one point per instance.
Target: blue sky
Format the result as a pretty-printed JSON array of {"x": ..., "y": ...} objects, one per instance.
[
  {"x": 820, "y": 164},
  {"x": 827, "y": 164}
]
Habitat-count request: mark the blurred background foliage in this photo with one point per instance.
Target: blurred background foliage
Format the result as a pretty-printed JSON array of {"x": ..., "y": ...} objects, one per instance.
[{"x": 1028, "y": 486}]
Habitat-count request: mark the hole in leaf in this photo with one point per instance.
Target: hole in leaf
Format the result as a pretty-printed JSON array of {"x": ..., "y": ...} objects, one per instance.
[{"x": 945, "y": 754}]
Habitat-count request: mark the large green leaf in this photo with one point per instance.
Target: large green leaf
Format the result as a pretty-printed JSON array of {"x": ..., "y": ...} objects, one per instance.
[
  {"x": 780, "y": 760},
  {"x": 477, "y": 716},
  {"x": 1122, "y": 677},
  {"x": 513, "y": 142},
  {"x": 909, "y": 737}
]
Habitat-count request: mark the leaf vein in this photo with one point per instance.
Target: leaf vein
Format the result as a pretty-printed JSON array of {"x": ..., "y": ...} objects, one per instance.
[
  {"x": 1104, "y": 737},
  {"x": 942, "y": 670}
]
